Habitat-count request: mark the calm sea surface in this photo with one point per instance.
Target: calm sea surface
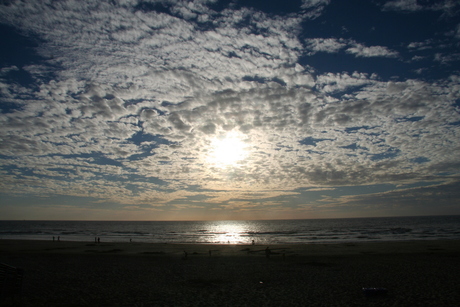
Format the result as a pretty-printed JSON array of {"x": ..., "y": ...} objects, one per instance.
[{"x": 241, "y": 232}]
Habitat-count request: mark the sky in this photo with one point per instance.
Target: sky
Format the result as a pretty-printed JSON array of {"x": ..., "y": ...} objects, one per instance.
[{"x": 229, "y": 110}]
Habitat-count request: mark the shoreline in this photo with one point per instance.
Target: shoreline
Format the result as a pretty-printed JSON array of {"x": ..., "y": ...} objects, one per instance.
[
  {"x": 415, "y": 273},
  {"x": 350, "y": 248}
]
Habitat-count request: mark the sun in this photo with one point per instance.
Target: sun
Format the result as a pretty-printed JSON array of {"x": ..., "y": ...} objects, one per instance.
[{"x": 227, "y": 150}]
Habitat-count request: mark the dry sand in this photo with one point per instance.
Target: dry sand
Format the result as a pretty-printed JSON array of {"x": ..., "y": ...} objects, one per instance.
[{"x": 418, "y": 273}]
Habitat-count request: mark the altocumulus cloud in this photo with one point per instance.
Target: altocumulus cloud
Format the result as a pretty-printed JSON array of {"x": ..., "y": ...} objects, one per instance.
[{"x": 113, "y": 108}]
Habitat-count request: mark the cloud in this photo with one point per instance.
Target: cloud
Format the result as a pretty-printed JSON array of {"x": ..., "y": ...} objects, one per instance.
[
  {"x": 440, "y": 51},
  {"x": 404, "y": 5},
  {"x": 367, "y": 124},
  {"x": 329, "y": 45},
  {"x": 447, "y": 58},
  {"x": 333, "y": 45},
  {"x": 457, "y": 32},
  {"x": 428, "y": 44},
  {"x": 360, "y": 50},
  {"x": 405, "y": 200},
  {"x": 330, "y": 83},
  {"x": 314, "y": 8},
  {"x": 112, "y": 46},
  {"x": 137, "y": 97},
  {"x": 447, "y": 6}
]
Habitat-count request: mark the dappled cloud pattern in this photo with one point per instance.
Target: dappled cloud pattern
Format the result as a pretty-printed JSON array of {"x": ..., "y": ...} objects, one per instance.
[{"x": 124, "y": 100}]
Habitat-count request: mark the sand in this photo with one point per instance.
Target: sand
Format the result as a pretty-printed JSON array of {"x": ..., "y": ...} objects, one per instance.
[{"x": 418, "y": 273}]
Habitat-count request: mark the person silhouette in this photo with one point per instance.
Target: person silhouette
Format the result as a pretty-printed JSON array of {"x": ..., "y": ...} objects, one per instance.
[{"x": 267, "y": 252}]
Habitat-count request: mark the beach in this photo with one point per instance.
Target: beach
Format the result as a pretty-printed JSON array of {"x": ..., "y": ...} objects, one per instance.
[{"x": 413, "y": 273}]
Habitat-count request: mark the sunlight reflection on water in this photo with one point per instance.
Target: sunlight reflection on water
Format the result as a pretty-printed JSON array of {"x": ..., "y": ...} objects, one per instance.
[{"x": 231, "y": 232}]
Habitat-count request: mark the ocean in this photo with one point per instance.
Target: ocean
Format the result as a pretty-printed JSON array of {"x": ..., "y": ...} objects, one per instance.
[{"x": 240, "y": 232}]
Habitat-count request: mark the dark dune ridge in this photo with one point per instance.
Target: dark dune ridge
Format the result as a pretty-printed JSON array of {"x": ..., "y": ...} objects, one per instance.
[{"x": 417, "y": 273}]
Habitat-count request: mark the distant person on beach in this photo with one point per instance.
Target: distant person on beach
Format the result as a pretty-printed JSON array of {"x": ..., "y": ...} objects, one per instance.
[
  {"x": 98, "y": 240},
  {"x": 253, "y": 242},
  {"x": 267, "y": 252}
]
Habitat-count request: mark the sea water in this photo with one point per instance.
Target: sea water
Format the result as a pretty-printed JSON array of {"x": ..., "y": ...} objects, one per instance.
[{"x": 240, "y": 232}]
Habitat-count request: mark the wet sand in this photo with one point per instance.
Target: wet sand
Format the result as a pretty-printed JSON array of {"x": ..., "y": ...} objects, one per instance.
[{"x": 417, "y": 273}]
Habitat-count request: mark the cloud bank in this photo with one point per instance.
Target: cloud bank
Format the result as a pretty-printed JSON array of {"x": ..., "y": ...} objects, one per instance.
[{"x": 125, "y": 99}]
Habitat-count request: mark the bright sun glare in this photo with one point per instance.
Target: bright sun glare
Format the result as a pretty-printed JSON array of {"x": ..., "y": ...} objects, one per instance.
[
  {"x": 229, "y": 232},
  {"x": 227, "y": 151}
]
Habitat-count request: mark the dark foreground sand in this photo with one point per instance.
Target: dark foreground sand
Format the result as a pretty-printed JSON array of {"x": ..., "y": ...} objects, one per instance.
[{"x": 422, "y": 273}]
